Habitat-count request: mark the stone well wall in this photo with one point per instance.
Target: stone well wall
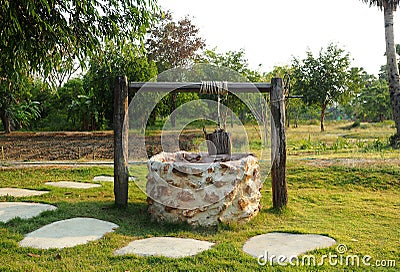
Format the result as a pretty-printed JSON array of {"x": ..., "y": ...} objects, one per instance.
[{"x": 203, "y": 190}]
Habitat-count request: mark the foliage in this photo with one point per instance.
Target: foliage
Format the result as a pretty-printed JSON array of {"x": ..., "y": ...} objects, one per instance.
[
  {"x": 41, "y": 35},
  {"x": 83, "y": 112},
  {"x": 295, "y": 108},
  {"x": 171, "y": 44},
  {"x": 381, "y": 4},
  {"x": 46, "y": 36},
  {"x": 325, "y": 79},
  {"x": 127, "y": 60},
  {"x": 25, "y": 112},
  {"x": 372, "y": 104},
  {"x": 55, "y": 106},
  {"x": 383, "y": 70},
  {"x": 234, "y": 61},
  {"x": 20, "y": 108},
  {"x": 230, "y": 66}
]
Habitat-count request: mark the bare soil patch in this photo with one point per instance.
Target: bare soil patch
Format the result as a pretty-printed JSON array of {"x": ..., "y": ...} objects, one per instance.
[{"x": 60, "y": 146}]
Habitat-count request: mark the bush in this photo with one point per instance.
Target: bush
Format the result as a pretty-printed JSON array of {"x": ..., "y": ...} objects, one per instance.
[
  {"x": 376, "y": 145},
  {"x": 356, "y": 124},
  {"x": 394, "y": 141}
]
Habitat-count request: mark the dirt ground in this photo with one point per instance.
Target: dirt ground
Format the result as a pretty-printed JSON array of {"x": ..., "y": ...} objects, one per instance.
[{"x": 61, "y": 146}]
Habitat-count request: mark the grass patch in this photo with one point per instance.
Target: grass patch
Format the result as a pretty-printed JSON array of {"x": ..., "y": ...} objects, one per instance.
[{"x": 359, "y": 207}]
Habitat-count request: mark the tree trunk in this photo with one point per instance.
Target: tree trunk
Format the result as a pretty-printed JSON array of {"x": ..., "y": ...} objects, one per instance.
[
  {"x": 392, "y": 68},
  {"x": 323, "y": 109},
  {"x": 6, "y": 121}
]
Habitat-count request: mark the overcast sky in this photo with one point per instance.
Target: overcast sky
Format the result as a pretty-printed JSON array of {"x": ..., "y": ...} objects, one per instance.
[{"x": 271, "y": 32}]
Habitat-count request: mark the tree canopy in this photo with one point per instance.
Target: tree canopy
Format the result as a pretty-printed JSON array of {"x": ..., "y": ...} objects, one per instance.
[
  {"x": 45, "y": 36},
  {"x": 41, "y": 35},
  {"x": 173, "y": 43},
  {"x": 325, "y": 79}
]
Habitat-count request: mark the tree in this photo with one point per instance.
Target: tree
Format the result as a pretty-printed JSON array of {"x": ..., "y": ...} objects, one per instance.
[
  {"x": 172, "y": 44},
  {"x": 228, "y": 62},
  {"x": 39, "y": 37},
  {"x": 388, "y": 7},
  {"x": 115, "y": 60},
  {"x": 372, "y": 104},
  {"x": 17, "y": 109},
  {"x": 55, "y": 112},
  {"x": 325, "y": 79}
]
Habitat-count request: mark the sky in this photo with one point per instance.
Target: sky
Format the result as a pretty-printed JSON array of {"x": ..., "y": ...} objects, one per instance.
[{"x": 273, "y": 32}]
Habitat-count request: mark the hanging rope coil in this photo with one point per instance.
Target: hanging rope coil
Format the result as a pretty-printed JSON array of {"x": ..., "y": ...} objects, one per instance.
[{"x": 215, "y": 87}]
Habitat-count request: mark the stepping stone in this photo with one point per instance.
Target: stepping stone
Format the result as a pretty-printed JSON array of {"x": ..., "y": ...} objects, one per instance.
[
  {"x": 165, "y": 246},
  {"x": 72, "y": 184},
  {"x": 16, "y": 192},
  {"x": 68, "y": 233},
  {"x": 109, "y": 178},
  {"x": 274, "y": 245},
  {"x": 24, "y": 210}
]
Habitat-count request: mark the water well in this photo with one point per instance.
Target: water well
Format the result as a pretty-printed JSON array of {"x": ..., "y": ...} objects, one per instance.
[{"x": 203, "y": 189}]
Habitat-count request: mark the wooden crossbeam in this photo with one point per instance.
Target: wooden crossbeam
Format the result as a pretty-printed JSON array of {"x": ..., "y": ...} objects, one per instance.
[{"x": 243, "y": 87}]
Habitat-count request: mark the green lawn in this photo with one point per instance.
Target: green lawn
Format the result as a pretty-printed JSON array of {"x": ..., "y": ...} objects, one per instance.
[
  {"x": 344, "y": 183},
  {"x": 359, "y": 207}
]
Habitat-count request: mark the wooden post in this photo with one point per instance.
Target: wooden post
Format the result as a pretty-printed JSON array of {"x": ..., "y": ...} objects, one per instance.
[
  {"x": 121, "y": 127},
  {"x": 278, "y": 145}
]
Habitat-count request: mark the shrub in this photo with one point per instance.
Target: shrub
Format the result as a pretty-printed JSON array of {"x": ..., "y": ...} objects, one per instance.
[
  {"x": 356, "y": 124},
  {"x": 394, "y": 141}
]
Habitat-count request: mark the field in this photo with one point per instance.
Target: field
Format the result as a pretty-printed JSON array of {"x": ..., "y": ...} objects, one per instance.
[{"x": 344, "y": 183}]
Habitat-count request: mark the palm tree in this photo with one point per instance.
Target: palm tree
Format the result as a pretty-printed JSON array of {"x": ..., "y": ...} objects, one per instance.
[{"x": 389, "y": 7}]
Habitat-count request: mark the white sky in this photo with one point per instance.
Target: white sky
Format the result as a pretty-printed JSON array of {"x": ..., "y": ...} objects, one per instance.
[{"x": 271, "y": 32}]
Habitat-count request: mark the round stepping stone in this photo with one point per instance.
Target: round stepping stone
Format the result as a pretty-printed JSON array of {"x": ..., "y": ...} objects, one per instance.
[
  {"x": 68, "y": 233},
  {"x": 109, "y": 178},
  {"x": 72, "y": 184},
  {"x": 272, "y": 246},
  {"x": 24, "y": 210},
  {"x": 16, "y": 192},
  {"x": 165, "y": 246}
]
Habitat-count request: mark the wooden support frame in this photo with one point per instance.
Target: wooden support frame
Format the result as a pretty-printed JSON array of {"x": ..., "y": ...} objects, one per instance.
[
  {"x": 121, "y": 126},
  {"x": 245, "y": 87},
  {"x": 278, "y": 145}
]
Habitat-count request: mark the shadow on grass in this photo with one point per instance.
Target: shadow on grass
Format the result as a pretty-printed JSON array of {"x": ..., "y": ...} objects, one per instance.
[
  {"x": 134, "y": 220},
  {"x": 278, "y": 211}
]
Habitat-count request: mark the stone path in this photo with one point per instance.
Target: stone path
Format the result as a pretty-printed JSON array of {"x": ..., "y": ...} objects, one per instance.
[
  {"x": 165, "y": 246},
  {"x": 271, "y": 247},
  {"x": 72, "y": 184},
  {"x": 16, "y": 192},
  {"x": 11, "y": 210},
  {"x": 68, "y": 233},
  {"x": 109, "y": 178},
  {"x": 274, "y": 245}
]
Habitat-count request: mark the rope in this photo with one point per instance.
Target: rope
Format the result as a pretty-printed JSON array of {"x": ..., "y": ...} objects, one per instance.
[{"x": 215, "y": 87}]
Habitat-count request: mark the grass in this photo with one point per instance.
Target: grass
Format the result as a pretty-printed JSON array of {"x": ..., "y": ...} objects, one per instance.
[
  {"x": 359, "y": 207},
  {"x": 358, "y": 204}
]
